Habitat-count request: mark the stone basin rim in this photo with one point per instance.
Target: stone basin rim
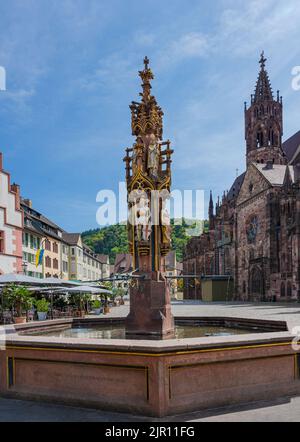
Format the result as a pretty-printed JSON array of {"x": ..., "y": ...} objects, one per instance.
[{"x": 278, "y": 336}]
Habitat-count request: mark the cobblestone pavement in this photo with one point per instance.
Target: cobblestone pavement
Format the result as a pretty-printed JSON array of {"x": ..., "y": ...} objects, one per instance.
[
  {"x": 275, "y": 311},
  {"x": 285, "y": 410}
]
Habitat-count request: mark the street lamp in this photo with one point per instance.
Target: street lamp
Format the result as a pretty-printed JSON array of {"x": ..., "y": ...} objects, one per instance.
[{"x": 24, "y": 266}]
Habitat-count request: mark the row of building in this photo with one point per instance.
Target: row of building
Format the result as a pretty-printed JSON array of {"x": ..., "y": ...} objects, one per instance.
[
  {"x": 254, "y": 230},
  {"x": 172, "y": 269},
  {"x": 24, "y": 231}
]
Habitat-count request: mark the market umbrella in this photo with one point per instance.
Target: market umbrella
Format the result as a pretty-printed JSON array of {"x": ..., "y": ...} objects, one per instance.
[
  {"x": 58, "y": 282},
  {"x": 45, "y": 289},
  {"x": 16, "y": 278},
  {"x": 86, "y": 289},
  {"x": 55, "y": 285}
]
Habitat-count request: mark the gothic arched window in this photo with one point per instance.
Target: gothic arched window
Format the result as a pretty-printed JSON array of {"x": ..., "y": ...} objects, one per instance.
[
  {"x": 283, "y": 262},
  {"x": 260, "y": 139},
  {"x": 261, "y": 110},
  {"x": 271, "y": 137},
  {"x": 256, "y": 281}
]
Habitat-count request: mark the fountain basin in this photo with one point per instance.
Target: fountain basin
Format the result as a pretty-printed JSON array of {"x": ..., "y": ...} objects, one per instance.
[{"x": 153, "y": 378}]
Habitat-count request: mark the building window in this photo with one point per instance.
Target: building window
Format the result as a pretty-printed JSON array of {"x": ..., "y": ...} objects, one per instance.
[
  {"x": 260, "y": 139},
  {"x": 34, "y": 242},
  {"x": 65, "y": 267},
  {"x": 48, "y": 261},
  {"x": 2, "y": 241},
  {"x": 48, "y": 245},
  {"x": 282, "y": 290},
  {"x": 55, "y": 247},
  {"x": 25, "y": 239},
  {"x": 55, "y": 264}
]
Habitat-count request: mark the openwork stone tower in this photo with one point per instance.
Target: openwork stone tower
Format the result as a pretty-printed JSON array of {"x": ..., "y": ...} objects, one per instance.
[{"x": 148, "y": 176}]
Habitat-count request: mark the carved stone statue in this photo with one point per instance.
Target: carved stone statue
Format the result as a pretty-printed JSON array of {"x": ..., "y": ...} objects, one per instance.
[
  {"x": 165, "y": 224},
  {"x": 153, "y": 156},
  {"x": 144, "y": 220},
  {"x": 134, "y": 159}
]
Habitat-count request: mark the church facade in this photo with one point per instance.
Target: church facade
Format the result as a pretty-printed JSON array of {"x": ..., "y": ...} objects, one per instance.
[{"x": 254, "y": 231}]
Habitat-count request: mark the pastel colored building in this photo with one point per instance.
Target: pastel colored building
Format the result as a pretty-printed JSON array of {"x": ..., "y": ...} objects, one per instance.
[
  {"x": 83, "y": 264},
  {"x": 11, "y": 225},
  {"x": 39, "y": 231}
]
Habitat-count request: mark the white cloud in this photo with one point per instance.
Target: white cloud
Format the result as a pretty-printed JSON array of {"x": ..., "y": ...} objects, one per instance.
[
  {"x": 144, "y": 38},
  {"x": 189, "y": 45},
  {"x": 112, "y": 70},
  {"x": 255, "y": 25}
]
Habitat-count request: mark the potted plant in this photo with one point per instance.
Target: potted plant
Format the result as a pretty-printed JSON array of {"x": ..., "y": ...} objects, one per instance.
[
  {"x": 77, "y": 303},
  {"x": 119, "y": 293},
  {"x": 20, "y": 300},
  {"x": 106, "y": 309},
  {"x": 97, "y": 307},
  {"x": 42, "y": 306}
]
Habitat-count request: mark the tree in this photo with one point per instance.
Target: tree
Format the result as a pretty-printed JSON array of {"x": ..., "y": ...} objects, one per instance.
[
  {"x": 18, "y": 298},
  {"x": 112, "y": 240}
]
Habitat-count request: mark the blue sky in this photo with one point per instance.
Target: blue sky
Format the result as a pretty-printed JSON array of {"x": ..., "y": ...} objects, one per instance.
[{"x": 72, "y": 72}]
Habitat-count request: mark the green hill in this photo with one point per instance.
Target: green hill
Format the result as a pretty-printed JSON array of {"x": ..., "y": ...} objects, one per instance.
[{"x": 113, "y": 239}]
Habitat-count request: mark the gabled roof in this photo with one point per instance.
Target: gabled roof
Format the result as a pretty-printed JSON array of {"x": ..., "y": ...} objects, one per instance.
[
  {"x": 71, "y": 238},
  {"x": 121, "y": 258},
  {"x": 104, "y": 259},
  {"x": 274, "y": 175},
  {"x": 38, "y": 216}
]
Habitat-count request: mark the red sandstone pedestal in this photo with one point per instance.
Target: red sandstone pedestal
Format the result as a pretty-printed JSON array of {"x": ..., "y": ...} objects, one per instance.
[{"x": 150, "y": 314}]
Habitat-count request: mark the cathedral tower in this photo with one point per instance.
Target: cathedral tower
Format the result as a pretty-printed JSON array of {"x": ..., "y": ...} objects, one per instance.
[
  {"x": 263, "y": 122},
  {"x": 211, "y": 216}
]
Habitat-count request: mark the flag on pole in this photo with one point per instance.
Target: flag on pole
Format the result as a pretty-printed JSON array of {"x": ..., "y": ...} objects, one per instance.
[{"x": 39, "y": 257}]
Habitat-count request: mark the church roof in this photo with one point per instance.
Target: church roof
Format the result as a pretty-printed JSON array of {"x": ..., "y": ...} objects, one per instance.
[
  {"x": 275, "y": 174},
  {"x": 291, "y": 145},
  {"x": 236, "y": 187}
]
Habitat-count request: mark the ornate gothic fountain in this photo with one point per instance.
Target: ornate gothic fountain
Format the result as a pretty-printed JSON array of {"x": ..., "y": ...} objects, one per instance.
[
  {"x": 148, "y": 175},
  {"x": 64, "y": 360}
]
